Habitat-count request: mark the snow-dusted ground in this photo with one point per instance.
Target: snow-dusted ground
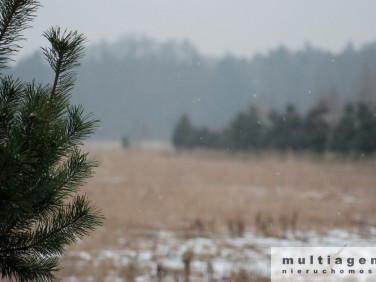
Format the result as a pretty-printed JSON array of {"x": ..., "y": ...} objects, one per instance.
[{"x": 214, "y": 256}]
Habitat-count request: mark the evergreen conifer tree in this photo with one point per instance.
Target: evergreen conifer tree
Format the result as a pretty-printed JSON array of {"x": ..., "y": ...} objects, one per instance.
[
  {"x": 41, "y": 164},
  {"x": 246, "y": 131},
  {"x": 183, "y": 134}
]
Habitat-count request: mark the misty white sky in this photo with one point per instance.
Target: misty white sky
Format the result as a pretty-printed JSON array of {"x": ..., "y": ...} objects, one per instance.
[{"x": 215, "y": 27}]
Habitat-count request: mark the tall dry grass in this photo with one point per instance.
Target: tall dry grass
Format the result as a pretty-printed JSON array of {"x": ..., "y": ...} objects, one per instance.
[
  {"x": 152, "y": 189},
  {"x": 206, "y": 192}
]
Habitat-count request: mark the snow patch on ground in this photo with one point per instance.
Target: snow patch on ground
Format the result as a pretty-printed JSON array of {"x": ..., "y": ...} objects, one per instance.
[{"x": 220, "y": 255}]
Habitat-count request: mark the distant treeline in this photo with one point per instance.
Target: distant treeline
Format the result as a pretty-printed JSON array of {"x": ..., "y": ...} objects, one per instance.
[
  {"x": 319, "y": 130},
  {"x": 140, "y": 87}
]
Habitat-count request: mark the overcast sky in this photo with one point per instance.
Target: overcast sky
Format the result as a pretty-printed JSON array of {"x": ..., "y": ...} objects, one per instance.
[{"x": 215, "y": 27}]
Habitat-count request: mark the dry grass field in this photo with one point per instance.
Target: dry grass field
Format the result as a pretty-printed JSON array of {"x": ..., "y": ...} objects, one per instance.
[{"x": 155, "y": 197}]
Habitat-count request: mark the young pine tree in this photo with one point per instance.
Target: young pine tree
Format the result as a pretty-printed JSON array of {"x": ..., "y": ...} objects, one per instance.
[{"x": 41, "y": 165}]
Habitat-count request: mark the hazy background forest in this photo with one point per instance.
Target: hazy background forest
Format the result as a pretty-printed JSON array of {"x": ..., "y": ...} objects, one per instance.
[{"x": 140, "y": 88}]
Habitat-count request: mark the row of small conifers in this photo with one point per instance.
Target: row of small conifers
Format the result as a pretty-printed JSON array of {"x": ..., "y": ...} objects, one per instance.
[{"x": 353, "y": 129}]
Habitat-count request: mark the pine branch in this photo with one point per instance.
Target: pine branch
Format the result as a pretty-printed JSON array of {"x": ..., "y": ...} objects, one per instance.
[
  {"x": 10, "y": 94},
  {"x": 28, "y": 269},
  {"x": 69, "y": 224},
  {"x": 74, "y": 171},
  {"x": 49, "y": 193},
  {"x": 63, "y": 55},
  {"x": 34, "y": 255},
  {"x": 61, "y": 228},
  {"x": 79, "y": 126},
  {"x": 15, "y": 16}
]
